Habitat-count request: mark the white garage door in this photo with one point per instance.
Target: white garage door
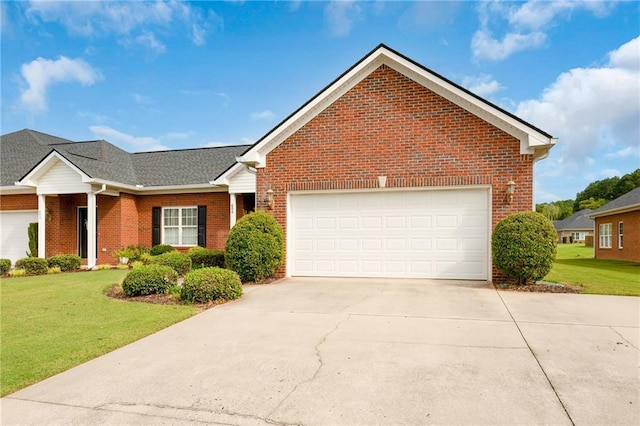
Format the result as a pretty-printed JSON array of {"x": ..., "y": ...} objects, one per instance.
[
  {"x": 14, "y": 240},
  {"x": 408, "y": 234}
]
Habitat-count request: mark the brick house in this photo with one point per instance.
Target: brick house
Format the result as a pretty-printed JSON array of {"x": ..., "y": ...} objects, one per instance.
[
  {"x": 142, "y": 198},
  {"x": 575, "y": 228},
  {"x": 617, "y": 228},
  {"x": 390, "y": 171}
]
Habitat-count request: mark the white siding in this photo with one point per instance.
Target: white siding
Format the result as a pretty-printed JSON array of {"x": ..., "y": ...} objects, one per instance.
[
  {"x": 243, "y": 182},
  {"x": 61, "y": 179}
]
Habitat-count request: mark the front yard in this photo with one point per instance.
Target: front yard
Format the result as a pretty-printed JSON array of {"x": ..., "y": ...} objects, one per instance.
[
  {"x": 576, "y": 266},
  {"x": 51, "y": 323}
]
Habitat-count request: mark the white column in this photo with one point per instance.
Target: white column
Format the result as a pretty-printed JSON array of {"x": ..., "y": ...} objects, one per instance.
[
  {"x": 91, "y": 230},
  {"x": 42, "y": 220},
  {"x": 232, "y": 210}
]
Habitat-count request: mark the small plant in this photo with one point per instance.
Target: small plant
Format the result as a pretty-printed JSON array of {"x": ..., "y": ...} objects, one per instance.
[
  {"x": 137, "y": 250},
  {"x": 203, "y": 285},
  {"x": 122, "y": 266},
  {"x": 54, "y": 270},
  {"x": 180, "y": 262},
  {"x": 103, "y": 266},
  {"x": 523, "y": 246},
  {"x": 33, "y": 265},
  {"x": 255, "y": 247},
  {"x": 145, "y": 258},
  {"x": 66, "y": 262},
  {"x": 204, "y": 258},
  {"x": 137, "y": 264},
  {"x": 124, "y": 255},
  {"x": 5, "y": 266},
  {"x": 149, "y": 279},
  {"x": 17, "y": 273},
  {"x": 161, "y": 248},
  {"x": 32, "y": 232}
]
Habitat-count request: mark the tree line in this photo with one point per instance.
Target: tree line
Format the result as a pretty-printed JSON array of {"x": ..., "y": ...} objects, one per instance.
[{"x": 595, "y": 195}]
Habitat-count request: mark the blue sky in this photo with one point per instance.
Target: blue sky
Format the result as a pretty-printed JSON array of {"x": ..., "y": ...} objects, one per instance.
[{"x": 170, "y": 75}]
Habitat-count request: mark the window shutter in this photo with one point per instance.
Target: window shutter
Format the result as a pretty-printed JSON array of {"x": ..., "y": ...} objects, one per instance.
[
  {"x": 202, "y": 226},
  {"x": 156, "y": 218}
]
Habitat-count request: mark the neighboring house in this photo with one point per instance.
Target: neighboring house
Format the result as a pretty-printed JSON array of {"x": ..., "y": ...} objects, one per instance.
[
  {"x": 575, "y": 228},
  {"x": 617, "y": 228},
  {"x": 394, "y": 171},
  {"x": 390, "y": 171},
  {"x": 92, "y": 198}
]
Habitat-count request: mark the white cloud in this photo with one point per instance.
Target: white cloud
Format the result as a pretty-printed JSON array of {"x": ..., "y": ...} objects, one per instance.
[
  {"x": 590, "y": 109},
  {"x": 137, "y": 143},
  {"x": 147, "y": 39},
  {"x": 340, "y": 15},
  {"x": 481, "y": 85},
  {"x": 627, "y": 152},
  {"x": 263, "y": 115},
  {"x": 41, "y": 73},
  {"x": 526, "y": 24}
]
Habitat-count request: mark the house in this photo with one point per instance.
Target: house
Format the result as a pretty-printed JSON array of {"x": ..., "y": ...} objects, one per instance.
[
  {"x": 92, "y": 198},
  {"x": 617, "y": 228},
  {"x": 390, "y": 171},
  {"x": 575, "y": 228},
  {"x": 394, "y": 171}
]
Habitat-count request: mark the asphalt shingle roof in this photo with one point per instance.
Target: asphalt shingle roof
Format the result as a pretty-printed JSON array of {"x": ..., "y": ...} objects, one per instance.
[
  {"x": 578, "y": 220},
  {"x": 631, "y": 198},
  {"x": 21, "y": 151}
]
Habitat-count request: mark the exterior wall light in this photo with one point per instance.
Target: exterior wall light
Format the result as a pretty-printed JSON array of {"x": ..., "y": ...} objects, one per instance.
[
  {"x": 511, "y": 188},
  {"x": 269, "y": 199}
]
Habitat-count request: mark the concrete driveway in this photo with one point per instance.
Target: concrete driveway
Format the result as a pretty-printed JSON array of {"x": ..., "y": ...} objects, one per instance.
[{"x": 364, "y": 351}]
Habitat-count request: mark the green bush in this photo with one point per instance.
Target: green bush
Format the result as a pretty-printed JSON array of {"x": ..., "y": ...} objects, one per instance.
[
  {"x": 33, "y": 265},
  {"x": 523, "y": 246},
  {"x": 17, "y": 273},
  {"x": 161, "y": 248},
  {"x": 137, "y": 251},
  {"x": 32, "y": 233},
  {"x": 180, "y": 262},
  {"x": 66, "y": 262},
  {"x": 149, "y": 279},
  {"x": 205, "y": 258},
  {"x": 255, "y": 247},
  {"x": 203, "y": 285},
  {"x": 54, "y": 270},
  {"x": 5, "y": 266}
]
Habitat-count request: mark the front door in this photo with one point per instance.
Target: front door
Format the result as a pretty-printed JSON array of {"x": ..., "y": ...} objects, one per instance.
[{"x": 82, "y": 232}]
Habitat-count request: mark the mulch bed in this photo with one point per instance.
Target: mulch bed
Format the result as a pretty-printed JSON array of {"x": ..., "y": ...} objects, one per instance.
[
  {"x": 158, "y": 299},
  {"x": 539, "y": 287}
]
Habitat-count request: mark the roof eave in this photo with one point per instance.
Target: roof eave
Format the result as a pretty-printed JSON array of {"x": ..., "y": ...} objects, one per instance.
[{"x": 623, "y": 209}]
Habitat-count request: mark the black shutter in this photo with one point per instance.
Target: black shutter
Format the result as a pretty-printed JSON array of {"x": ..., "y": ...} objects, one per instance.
[
  {"x": 156, "y": 218},
  {"x": 202, "y": 226}
]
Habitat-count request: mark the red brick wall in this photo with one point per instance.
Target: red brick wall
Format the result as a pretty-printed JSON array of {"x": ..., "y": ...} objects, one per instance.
[
  {"x": 388, "y": 125},
  {"x": 19, "y": 202},
  {"x": 631, "y": 242}
]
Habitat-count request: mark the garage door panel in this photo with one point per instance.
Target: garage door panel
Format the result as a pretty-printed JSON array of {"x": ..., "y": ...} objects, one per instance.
[{"x": 14, "y": 239}]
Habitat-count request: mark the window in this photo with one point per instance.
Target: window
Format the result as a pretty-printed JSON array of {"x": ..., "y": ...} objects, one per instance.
[
  {"x": 620, "y": 234},
  {"x": 180, "y": 226},
  {"x": 578, "y": 236},
  {"x": 605, "y": 235}
]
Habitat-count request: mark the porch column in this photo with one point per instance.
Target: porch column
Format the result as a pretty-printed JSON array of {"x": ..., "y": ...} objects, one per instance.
[
  {"x": 232, "y": 210},
  {"x": 42, "y": 220},
  {"x": 91, "y": 230}
]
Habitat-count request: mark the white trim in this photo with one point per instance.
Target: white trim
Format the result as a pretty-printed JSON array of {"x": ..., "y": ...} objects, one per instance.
[
  {"x": 232, "y": 210},
  {"x": 624, "y": 209},
  {"x": 42, "y": 226},
  {"x": 32, "y": 177},
  {"x": 17, "y": 190},
  {"x": 162, "y": 225}
]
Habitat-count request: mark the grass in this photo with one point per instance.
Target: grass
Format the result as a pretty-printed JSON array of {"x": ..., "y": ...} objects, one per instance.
[
  {"x": 576, "y": 266},
  {"x": 51, "y": 323}
]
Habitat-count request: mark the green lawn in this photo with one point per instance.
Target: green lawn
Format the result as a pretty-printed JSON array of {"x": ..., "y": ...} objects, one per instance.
[
  {"x": 51, "y": 323},
  {"x": 575, "y": 265}
]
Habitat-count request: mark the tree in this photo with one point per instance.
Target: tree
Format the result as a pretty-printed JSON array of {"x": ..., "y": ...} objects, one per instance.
[
  {"x": 592, "y": 203},
  {"x": 556, "y": 210},
  {"x": 627, "y": 183},
  {"x": 607, "y": 189}
]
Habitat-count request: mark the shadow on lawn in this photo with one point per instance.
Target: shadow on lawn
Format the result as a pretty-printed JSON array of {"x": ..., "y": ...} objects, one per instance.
[{"x": 599, "y": 264}]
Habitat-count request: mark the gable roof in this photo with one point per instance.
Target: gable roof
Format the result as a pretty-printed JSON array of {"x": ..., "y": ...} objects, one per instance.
[
  {"x": 24, "y": 151},
  {"x": 577, "y": 221},
  {"x": 624, "y": 203},
  {"x": 532, "y": 139}
]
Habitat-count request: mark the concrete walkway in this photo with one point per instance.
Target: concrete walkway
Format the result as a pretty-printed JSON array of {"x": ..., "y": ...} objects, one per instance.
[{"x": 364, "y": 351}]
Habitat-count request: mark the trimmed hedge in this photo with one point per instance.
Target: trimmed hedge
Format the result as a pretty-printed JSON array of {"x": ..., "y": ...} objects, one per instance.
[
  {"x": 523, "y": 246},
  {"x": 160, "y": 249},
  {"x": 5, "y": 266},
  {"x": 149, "y": 279},
  {"x": 33, "y": 265},
  {"x": 205, "y": 258},
  {"x": 255, "y": 247},
  {"x": 203, "y": 285},
  {"x": 180, "y": 262},
  {"x": 66, "y": 262}
]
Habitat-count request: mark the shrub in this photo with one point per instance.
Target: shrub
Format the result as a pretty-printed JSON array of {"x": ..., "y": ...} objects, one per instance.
[
  {"x": 32, "y": 233},
  {"x": 33, "y": 265},
  {"x": 255, "y": 247},
  {"x": 145, "y": 258},
  {"x": 136, "y": 264},
  {"x": 161, "y": 248},
  {"x": 205, "y": 258},
  {"x": 524, "y": 246},
  {"x": 122, "y": 266},
  {"x": 203, "y": 285},
  {"x": 180, "y": 262},
  {"x": 149, "y": 279},
  {"x": 17, "y": 273},
  {"x": 137, "y": 251},
  {"x": 66, "y": 262},
  {"x": 5, "y": 266},
  {"x": 54, "y": 270},
  {"x": 103, "y": 266}
]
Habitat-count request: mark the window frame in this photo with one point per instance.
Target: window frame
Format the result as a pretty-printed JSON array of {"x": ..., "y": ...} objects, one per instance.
[
  {"x": 604, "y": 237},
  {"x": 180, "y": 226},
  {"x": 620, "y": 234}
]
